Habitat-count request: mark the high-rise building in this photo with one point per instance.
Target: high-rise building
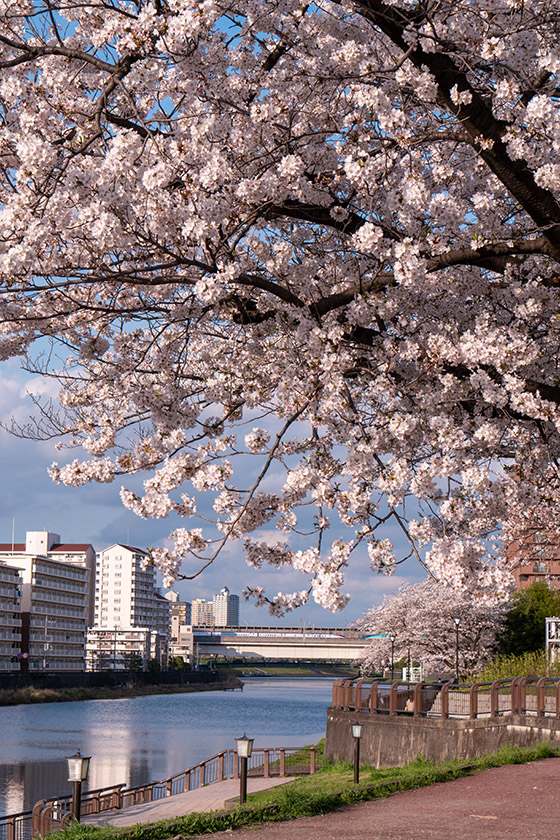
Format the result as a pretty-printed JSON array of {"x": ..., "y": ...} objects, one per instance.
[
  {"x": 47, "y": 544},
  {"x": 10, "y": 618},
  {"x": 132, "y": 618},
  {"x": 225, "y": 608},
  {"x": 202, "y": 613},
  {"x": 56, "y": 603}
]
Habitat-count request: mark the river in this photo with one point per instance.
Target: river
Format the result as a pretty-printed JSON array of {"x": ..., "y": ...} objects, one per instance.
[{"x": 141, "y": 739}]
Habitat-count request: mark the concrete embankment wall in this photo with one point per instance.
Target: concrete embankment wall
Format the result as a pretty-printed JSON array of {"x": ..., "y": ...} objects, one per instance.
[
  {"x": 392, "y": 740},
  {"x": 98, "y": 679}
]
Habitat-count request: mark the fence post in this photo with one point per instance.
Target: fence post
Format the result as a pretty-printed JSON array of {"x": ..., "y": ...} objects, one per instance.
[
  {"x": 494, "y": 699},
  {"x": 374, "y": 698},
  {"x": 11, "y": 829},
  {"x": 393, "y": 699},
  {"x": 557, "y": 712},
  {"x": 221, "y": 767},
  {"x": 312, "y": 761},
  {"x": 358, "y": 695},
  {"x": 473, "y": 701},
  {"x": 36, "y": 817},
  {"x": 282, "y": 762},
  {"x": 541, "y": 697},
  {"x": 266, "y": 764},
  {"x": 417, "y": 700},
  {"x": 444, "y": 695},
  {"x": 336, "y": 692},
  {"x": 347, "y": 702}
]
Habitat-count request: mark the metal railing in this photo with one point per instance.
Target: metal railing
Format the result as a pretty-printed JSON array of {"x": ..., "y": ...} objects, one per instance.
[
  {"x": 53, "y": 814},
  {"x": 533, "y": 696}
]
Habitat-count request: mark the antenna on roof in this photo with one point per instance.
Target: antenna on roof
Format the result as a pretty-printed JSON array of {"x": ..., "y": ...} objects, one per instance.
[{"x": 13, "y": 532}]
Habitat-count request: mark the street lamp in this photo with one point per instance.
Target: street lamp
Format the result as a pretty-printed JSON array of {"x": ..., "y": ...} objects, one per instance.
[
  {"x": 457, "y": 621},
  {"x": 356, "y": 735},
  {"x": 78, "y": 766},
  {"x": 244, "y": 748},
  {"x": 392, "y": 640}
]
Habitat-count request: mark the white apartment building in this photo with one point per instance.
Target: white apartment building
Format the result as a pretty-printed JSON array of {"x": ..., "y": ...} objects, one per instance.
[
  {"x": 10, "y": 618},
  {"x": 221, "y": 611},
  {"x": 130, "y": 613},
  {"x": 225, "y": 608},
  {"x": 56, "y": 584},
  {"x": 54, "y": 614},
  {"x": 48, "y": 544},
  {"x": 117, "y": 649}
]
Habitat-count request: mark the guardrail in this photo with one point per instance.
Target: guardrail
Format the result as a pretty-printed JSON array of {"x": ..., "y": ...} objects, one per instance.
[
  {"x": 533, "y": 696},
  {"x": 53, "y": 814}
]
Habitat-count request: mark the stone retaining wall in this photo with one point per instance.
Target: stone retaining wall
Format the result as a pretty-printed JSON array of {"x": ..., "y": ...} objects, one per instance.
[{"x": 392, "y": 740}]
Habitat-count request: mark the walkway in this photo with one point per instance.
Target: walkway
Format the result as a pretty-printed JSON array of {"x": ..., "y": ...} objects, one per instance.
[
  {"x": 209, "y": 798},
  {"x": 518, "y": 802}
]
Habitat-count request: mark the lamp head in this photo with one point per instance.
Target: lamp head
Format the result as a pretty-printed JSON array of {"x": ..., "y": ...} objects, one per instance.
[
  {"x": 78, "y": 767},
  {"x": 356, "y": 730},
  {"x": 244, "y": 746}
]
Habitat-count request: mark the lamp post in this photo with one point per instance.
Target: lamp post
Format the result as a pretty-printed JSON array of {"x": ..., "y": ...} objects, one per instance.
[
  {"x": 392, "y": 640},
  {"x": 244, "y": 748},
  {"x": 78, "y": 766},
  {"x": 457, "y": 621},
  {"x": 356, "y": 734}
]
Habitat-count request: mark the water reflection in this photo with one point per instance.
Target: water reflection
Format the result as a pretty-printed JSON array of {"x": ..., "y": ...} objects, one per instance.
[{"x": 139, "y": 739}]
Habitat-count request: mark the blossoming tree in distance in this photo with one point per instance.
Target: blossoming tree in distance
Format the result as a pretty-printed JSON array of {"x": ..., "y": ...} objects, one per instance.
[
  {"x": 421, "y": 621},
  {"x": 323, "y": 235}
]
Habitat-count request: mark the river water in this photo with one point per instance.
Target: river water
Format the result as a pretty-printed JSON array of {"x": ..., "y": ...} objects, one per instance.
[{"x": 141, "y": 739}]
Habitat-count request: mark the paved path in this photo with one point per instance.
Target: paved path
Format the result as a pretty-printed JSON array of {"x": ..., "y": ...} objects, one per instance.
[
  {"x": 518, "y": 802},
  {"x": 209, "y": 798}
]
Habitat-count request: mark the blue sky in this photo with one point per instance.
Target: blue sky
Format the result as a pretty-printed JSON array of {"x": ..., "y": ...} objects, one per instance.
[{"x": 94, "y": 514}]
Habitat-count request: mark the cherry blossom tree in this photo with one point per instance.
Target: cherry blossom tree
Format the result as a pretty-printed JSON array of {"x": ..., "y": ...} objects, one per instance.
[
  {"x": 319, "y": 238},
  {"x": 421, "y": 620}
]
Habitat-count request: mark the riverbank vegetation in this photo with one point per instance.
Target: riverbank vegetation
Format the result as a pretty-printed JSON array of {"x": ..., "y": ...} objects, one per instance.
[
  {"x": 331, "y": 788},
  {"x": 32, "y": 694}
]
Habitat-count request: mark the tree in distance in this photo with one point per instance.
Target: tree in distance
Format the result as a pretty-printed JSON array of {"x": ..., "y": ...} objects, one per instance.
[
  {"x": 524, "y": 628},
  {"x": 295, "y": 265},
  {"x": 420, "y": 618}
]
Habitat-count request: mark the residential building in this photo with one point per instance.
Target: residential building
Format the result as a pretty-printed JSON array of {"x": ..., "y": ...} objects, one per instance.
[
  {"x": 535, "y": 555},
  {"x": 10, "y": 618},
  {"x": 181, "y": 612},
  {"x": 119, "y": 649},
  {"x": 225, "y": 608},
  {"x": 129, "y": 610},
  {"x": 56, "y": 600},
  {"x": 48, "y": 544},
  {"x": 202, "y": 613},
  {"x": 54, "y": 614}
]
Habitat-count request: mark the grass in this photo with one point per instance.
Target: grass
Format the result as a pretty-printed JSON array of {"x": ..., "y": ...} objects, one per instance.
[
  {"x": 534, "y": 663},
  {"x": 331, "y": 788},
  {"x": 30, "y": 694}
]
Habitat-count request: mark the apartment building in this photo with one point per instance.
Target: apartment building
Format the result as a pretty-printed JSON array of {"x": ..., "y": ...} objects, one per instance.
[
  {"x": 54, "y": 614},
  {"x": 202, "y": 613},
  {"x": 181, "y": 612},
  {"x": 56, "y": 604},
  {"x": 130, "y": 614},
  {"x": 10, "y": 618},
  {"x": 535, "y": 555},
  {"x": 48, "y": 544},
  {"x": 225, "y": 608}
]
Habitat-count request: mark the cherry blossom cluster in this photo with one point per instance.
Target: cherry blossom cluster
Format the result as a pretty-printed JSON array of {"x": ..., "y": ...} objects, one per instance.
[{"x": 299, "y": 265}]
